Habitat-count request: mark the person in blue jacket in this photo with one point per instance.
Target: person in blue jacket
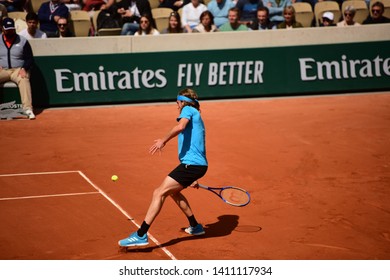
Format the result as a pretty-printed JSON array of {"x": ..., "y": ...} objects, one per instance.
[{"x": 49, "y": 13}]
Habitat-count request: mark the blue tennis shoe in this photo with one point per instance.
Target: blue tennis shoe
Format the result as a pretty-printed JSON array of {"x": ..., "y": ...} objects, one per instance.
[
  {"x": 134, "y": 240},
  {"x": 197, "y": 230}
]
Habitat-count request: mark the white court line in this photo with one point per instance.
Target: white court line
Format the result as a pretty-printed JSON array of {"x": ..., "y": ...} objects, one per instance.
[
  {"x": 47, "y": 195},
  {"x": 37, "y": 173},
  {"x": 166, "y": 251}
]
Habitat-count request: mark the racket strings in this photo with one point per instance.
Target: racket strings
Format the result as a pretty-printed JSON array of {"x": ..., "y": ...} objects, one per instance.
[{"x": 235, "y": 196}]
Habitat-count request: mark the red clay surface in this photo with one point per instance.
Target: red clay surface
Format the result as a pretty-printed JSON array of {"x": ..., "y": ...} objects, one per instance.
[{"x": 318, "y": 170}]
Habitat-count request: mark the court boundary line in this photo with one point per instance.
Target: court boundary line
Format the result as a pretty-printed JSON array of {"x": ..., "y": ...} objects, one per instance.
[
  {"x": 98, "y": 190},
  {"x": 46, "y": 196}
]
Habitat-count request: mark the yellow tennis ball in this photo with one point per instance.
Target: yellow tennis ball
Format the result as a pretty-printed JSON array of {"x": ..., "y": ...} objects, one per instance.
[{"x": 114, "y": 178}]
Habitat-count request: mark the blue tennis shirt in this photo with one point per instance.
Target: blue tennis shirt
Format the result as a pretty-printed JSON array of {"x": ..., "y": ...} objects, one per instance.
[{"x": 192, "y": 141}]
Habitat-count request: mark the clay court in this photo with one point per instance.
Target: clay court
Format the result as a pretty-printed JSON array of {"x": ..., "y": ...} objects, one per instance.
[{"x": 317, "y": 168}]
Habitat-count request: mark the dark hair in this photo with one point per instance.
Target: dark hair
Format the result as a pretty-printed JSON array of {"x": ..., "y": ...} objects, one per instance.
[
  {"x": 379, "y": 4},
  {"x": 237, "y": 10},
  {"x": 263, "y": 9},
  {"x": 31, "y": 16},
  {"x": 149, "y": 28},
  {"x": 207, "y": 13},
  {"x": 178, "y": 28}
]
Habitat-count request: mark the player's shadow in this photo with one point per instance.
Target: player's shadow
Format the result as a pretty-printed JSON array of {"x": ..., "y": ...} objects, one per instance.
[{"x": 223, "y": 227}]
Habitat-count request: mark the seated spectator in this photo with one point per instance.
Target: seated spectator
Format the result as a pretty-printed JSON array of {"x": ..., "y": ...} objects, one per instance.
[
  {"x": 191, "y": 14},
  {"x": 173, "y": 4},
  {"x": 130, "y": 12},
  {"x": 349, "y": 14},
  {"x": 220, "y": 10},
  {"x": 327, "y": 20},
  {"x": 289, "y": 19},
  {"x": 145, "y": 27},
  {"x": 248, "y": 10},
  {"x": 32, "y": 31},
  {"x": 174, "y": 24},
  {"x": 262, "y": 22},
  {"x": 16, "y": 61},
  {"x": 48, "y": 15},
  {"x": 63, "y": 30},
  {"x": 234, "y": 21},
  {"x": 377, "y": 10},
  {"x": 206, "y": 23},
  {"x": 13, "y": 5},
  {"x": 276, "y": 8}
]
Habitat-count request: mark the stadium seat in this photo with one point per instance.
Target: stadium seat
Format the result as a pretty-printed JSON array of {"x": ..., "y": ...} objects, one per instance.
[
  {"x": 154, "y": 4},
  {"x": 20, "y": 20},
  {"x": 80, "y": 23},
  {"x": 326, "y": 6},
  {"x": 303, "y": 13},
  {"x": 109, "y": 31},
  {"x": 36, "y": 4},
  {"x": 161, "y": 16}
]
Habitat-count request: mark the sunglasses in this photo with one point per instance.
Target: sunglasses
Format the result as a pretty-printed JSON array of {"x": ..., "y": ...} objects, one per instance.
[
  {"x": 374, "y": 11},
  {"x": 347, "y": 14},
  {"x": 62, "y": 24}
]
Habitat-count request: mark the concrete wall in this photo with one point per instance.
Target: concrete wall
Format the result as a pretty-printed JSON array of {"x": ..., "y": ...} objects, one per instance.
[{"x": 214, "y": 41}]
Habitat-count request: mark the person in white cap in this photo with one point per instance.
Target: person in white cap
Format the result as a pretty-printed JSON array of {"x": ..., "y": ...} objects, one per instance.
[
  {"x": 327, "y": 19},
  {"x": 16, "y": 60}
]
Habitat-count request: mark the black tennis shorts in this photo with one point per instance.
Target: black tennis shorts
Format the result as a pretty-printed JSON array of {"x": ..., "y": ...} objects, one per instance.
[{"x": 186, "y": 174}]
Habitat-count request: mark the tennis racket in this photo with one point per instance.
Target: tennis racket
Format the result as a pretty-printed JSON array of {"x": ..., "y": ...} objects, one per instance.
[{"x": 230, "y": 195}]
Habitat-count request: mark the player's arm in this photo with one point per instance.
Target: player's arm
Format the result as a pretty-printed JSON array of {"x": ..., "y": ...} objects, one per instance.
[{"x": 160, "y": 143}]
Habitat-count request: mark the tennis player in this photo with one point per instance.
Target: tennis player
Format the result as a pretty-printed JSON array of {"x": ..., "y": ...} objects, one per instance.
[{"x": 193, "y": 165}]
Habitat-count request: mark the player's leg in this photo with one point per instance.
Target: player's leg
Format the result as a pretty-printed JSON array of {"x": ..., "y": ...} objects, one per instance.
[
  {"x": 139, "y": 238},
  {"x": 195, "y": 228}
]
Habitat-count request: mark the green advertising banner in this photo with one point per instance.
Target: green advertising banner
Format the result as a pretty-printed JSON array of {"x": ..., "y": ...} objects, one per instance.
[{"x": 257, "y": 72}]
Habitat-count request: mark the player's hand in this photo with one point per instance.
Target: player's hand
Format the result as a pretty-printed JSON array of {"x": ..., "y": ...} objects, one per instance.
[
  {"x": 157, "y": 146},
  {"x": 195, "y": 185}
]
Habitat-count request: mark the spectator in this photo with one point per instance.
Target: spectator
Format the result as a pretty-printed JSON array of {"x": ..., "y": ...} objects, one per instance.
[
  {"x": 377, "y": 10},
  {"x": 174, "y": 24},
  {"x": 327, "y": 20},
  {"x": 63, "y": 30},
  {"x": 248, "y": 10},
  {"x": 289, "y": 19},
  {"x": 13, "y": 5},
  {"x": 130, "y": 12},
  {"x": 173, "y": 4},
  {"x": 206, "y": 23},
  {"x": 191, "y": 14},
  {"x": 234, "y": 21},
  {"x": 145, "y": 27},
  {"x": 349, "y": 14},
  {"x": 16, "y": 60},
  {"x": 48, "y": 15},
  {"x": 276, "y": 8},
  {"x": 263, "y": 22},
  {"x": 32, "y": 31},
  {"x": 220, "y": 10}
]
